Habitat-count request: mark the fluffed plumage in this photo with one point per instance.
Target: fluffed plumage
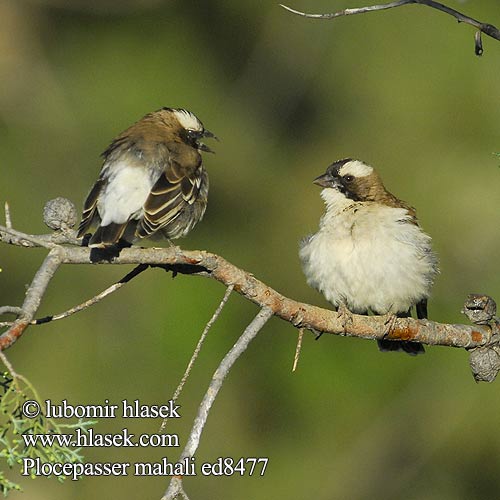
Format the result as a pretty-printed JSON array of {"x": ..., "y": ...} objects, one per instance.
[
  {"x": 152, "y": 182},
  {"x": 369, "y": 254}
]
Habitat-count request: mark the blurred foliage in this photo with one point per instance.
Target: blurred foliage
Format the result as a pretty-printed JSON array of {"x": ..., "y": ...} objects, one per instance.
[{"x": 401, "y": 90}]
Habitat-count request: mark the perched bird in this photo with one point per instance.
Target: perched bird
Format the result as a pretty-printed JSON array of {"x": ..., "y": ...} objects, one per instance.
[
  {"x": 152, "y": 182},
  {"x": 369, "y": 254}
]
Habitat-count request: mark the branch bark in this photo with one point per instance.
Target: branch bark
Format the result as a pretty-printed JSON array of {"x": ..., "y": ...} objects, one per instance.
[
  {"x": 33, "y": 298},
  {"x": 301, "y": 315}
]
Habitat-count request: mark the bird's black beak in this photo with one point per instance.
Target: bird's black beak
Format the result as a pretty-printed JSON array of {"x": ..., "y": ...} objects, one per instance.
[
  {"x": 207, "y": 133},
  {"x": 325, "y": 180},
  {"x": 204, "y": 147}
]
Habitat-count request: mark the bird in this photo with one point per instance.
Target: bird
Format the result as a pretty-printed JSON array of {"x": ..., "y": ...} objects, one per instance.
[
  {"x": 152, "y": 182},
  {"x": 370, "y": 253}
]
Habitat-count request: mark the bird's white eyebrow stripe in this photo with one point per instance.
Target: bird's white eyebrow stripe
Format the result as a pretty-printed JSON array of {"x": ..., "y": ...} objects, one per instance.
[
  {"x": 188, "y": 120},
  {"x": 356, "y": 168}
]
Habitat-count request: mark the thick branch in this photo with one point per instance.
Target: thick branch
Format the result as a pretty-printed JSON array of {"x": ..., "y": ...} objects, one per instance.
[
  {"x": 33, "y": 298},
  {"x": 487, "y": 29},
  {"x": 298, "y": 313},
  {"x": 207, "y": 264}
]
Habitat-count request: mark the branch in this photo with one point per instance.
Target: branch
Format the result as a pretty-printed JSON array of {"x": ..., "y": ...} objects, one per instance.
[
  {"x": 301, "y": 315},
  {"x": 483, "y": 339},
  {"x": 175, "y": 486},
  {"x": 17, "y": 238},
  {"x": 197, "y": 349},
  {"x": 33, "y": 298},
  {"x": 94, "y": 300},
  {"x": 487, "y": 29},
  {"x": 484, "y": 334}
]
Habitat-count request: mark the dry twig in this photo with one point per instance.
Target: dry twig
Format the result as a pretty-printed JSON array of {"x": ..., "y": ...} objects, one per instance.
[
  {"x": 8, "y": 220},
  {"x": 175, "y": 486},
  {"x": 298, "y": 349},
  {"x": 197, "y": 349},
  {"x": 487, "y": 29}
]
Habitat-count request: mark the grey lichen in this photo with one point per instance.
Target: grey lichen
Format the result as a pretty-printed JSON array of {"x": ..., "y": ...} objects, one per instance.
[{"x": 60, "y": 214}]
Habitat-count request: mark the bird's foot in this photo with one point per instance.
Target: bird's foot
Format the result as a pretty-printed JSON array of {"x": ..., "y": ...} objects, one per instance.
[
  {"x": 389, "y": 322},
  {"x": 345, "y": 316},
  {"x": 317, "y": 333},
  {"x": 105, "y": 254}
]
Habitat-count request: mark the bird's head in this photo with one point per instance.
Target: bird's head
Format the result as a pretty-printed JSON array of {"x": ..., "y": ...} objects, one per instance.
[
  {"x": 353, "y": 179},
  {"x": 191, "y": 129}
]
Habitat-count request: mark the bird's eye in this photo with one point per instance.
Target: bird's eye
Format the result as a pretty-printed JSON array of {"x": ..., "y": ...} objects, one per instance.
[
  {"x": 349, "y": 178},
  {"x": 192, "y": 137}
]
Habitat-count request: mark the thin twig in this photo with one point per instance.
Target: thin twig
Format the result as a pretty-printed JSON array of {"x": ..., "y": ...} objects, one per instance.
[
  {"x": 22, "y": 239},
  {"x": 10, "y": 310},
  {"x": 487, "y": 29},
  {"x": 8, "y": 220},
  {"x": 18, "y": 238},
  {"x": 213, "y": 389},
  {"x": 298, "y": 349},
  {"x": 197, "y": 349},
  {"x": 94, "y": 300},
  {"x": 8, "y": 365}
]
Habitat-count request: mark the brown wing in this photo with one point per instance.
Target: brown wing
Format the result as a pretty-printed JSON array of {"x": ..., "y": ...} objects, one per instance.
[
  {"x": 177, "y": 188},
  {"x": 90, "y": 207}
]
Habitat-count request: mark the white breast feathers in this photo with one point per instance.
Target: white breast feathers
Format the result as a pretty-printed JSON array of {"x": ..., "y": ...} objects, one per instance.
[{"x": 369, "y": 256}]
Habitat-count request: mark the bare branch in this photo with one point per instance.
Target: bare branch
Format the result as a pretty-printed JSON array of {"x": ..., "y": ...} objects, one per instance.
[
  {"x": 17, "y": 238},
  {"x": 298, "y": 349},
  {"x": 33, "y": 298},
  {"x": 8, "y": 365},
  {"x": 299, "y": 314},
  {"x": 216, "y": 383},
  {"x": 8, "y": 220},
  {"x": 487, "y": 29},
  {"x": 10, "y": 310},
  {"x": 198, "y": 349},
  {"x": 94, "y": 300},
  {"x": 210, "y": 265},
  {"x": 313, "y": 318}
]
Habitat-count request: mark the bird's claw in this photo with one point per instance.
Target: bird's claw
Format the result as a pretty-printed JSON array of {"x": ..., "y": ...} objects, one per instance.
[
  {"x": 389, "y": 322},
  {"x": 345, "y": 316}
]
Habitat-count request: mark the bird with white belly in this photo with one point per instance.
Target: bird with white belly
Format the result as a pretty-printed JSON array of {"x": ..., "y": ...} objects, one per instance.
[{"x": 370, "y": 253}]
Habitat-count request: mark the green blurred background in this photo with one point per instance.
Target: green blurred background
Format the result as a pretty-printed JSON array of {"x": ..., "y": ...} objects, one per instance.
[{"x": 401, "y": 90}]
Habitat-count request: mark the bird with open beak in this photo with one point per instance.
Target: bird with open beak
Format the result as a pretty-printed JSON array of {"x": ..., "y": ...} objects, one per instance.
[{"x": 152, "y": 182}]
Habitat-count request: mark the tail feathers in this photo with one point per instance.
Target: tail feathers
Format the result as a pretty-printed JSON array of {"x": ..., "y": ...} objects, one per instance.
[
  {"x": 421, "y": 308},
  {"x": 411, "y": 348},
  {"x": 106, "y": 236}
]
